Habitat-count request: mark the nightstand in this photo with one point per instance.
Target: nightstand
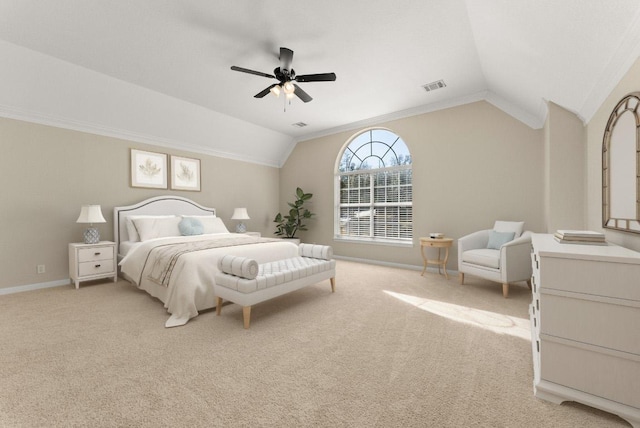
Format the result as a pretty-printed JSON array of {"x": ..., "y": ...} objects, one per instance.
[
  {"x": 436, "y": 243},
  {"x": 92, "y": 261}
]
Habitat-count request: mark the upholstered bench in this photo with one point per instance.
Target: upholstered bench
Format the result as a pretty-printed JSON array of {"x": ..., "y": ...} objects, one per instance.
[{"x": 245, "y": 282}]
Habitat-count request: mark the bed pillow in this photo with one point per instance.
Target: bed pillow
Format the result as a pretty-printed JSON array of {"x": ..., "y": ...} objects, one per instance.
[
  {"x": 149, "y": 228},
  {"x": 498, "y": 239},
  {"x": 190, "y": 226},
  {"x": 210, "y": 223},
  {"x": 132, "y": 232}
]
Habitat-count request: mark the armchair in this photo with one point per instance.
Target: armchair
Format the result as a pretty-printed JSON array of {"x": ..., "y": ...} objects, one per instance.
[{"x": 486, "y": 254}]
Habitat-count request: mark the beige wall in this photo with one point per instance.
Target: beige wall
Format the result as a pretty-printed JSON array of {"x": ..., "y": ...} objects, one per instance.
[
  {"x": 595, "y": 132},
  {"x": 565, "y": 157},
  {"x": 472, "y": 165},
  {"x": 48, "y": 173}
]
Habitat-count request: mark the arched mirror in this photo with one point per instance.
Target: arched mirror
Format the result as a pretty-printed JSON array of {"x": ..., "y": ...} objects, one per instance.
[{"x": 621, "y": 167}]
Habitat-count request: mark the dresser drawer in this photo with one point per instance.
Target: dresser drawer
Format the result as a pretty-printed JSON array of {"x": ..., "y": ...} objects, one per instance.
[
  {"x": 590, "y": 277},
  {"x": 95, "y": 267},
  {"x": 600, "y": 372},
  {"x": 96, "y": 253},
  {"x": 610, "y": 323}
]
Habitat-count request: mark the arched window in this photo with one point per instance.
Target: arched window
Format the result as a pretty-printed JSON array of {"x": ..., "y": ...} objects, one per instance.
[{"x": 374, "y": 192}]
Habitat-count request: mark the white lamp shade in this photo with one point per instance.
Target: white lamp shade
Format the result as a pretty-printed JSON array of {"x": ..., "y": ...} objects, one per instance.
[
  {"x": 240, "y": 214},
  {"x": 91, "y": 214}
]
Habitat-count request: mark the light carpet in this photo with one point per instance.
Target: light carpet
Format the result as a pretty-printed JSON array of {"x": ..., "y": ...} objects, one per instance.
[{"x": 389, "y": 348}]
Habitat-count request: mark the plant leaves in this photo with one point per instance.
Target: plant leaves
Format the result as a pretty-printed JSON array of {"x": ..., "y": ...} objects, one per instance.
[{"x": 289, "y": 224}]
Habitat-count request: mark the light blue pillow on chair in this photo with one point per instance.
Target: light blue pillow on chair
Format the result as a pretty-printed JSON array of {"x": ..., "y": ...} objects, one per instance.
[
  {"x": 498, "y": 239},
  {"x": 190, "y": 226}
]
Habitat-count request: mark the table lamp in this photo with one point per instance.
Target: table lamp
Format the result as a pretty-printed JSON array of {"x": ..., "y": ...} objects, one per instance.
[
  {"x": 240, "y": 214},
  {"x": 91, "y": 214}
]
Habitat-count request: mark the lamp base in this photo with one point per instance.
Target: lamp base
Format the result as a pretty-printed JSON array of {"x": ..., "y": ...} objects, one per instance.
[
  {"x": 91, "y": 236},
  {"x": 241, "y": 228}
]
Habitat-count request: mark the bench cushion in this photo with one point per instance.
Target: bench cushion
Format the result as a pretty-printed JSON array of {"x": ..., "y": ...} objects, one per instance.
[
  {"x": 238, "y": 266},
  {"x": 275, "y": 273},
  {"x": 316, "y": 251}
]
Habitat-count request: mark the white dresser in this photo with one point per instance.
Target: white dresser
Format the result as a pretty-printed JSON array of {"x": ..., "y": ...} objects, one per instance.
[{"x": 585, "y": 325}]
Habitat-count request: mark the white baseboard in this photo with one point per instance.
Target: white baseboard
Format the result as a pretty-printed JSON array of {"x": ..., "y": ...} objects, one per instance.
[
  {"x": 31, "y": 287},
  {"x": 390, "y": 264},
  {"x": 50, "y": 284}
]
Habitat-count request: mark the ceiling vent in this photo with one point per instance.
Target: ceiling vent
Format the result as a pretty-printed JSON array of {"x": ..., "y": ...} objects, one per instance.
[
  {"x": 434, "y": 85},
  {"x": 299, "y": 124}
]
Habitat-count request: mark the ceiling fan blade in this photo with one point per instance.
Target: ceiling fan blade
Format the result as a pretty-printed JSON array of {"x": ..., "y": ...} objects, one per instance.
[
  {"x": 302, "y": 94},
  {"x": 264, "y": 91},
  {"x": 286, "y": 58},
  {"x": 257, "y": 73},
  {"x": 321, "y": 77}
]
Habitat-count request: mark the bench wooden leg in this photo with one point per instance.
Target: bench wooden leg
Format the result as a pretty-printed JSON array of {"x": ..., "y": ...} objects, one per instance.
[
  {"x": 246, "y": 316},
  {"x": 218, "y": 305},
  {"x": 333, "y": 284}
]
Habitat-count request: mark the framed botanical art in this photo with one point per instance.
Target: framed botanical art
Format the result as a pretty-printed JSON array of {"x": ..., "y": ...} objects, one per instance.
[
  {"x": 148, "y": 169},
  {"x": 185, "y": 173}
]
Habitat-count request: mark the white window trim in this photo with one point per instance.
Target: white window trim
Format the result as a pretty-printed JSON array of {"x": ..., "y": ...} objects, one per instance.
[{"x": 403, "y": 242}]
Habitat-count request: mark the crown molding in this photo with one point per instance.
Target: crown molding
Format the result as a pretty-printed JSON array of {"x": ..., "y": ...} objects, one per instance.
[
  {"x": 427, "y": 108},
  {"x": 94, "y": 128},
  {"x": 533, "y": 121},
  {"x": 626, "y": 54}
]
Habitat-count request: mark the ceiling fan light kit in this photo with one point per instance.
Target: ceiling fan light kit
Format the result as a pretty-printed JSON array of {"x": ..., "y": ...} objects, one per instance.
[{"x": 286, "y": 77}]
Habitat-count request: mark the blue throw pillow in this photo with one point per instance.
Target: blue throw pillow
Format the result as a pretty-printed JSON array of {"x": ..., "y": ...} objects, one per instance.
[
  {"x": 191, "y": 226},
  {"x": 497, "y": 239}
]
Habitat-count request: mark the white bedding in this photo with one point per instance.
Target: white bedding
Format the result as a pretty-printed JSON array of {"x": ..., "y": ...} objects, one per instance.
[
  {"x": 127, "y": 246},
  {"x": 190, "y": 287}
]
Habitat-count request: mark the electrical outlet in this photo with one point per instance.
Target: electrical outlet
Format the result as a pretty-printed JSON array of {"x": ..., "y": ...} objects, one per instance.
[{"x": 41, "y": 269}]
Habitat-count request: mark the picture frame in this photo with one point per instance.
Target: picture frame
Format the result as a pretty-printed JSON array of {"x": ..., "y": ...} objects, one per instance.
[
  {"x": 148, "y": 169},
  {"x": 185, "y": 173}
]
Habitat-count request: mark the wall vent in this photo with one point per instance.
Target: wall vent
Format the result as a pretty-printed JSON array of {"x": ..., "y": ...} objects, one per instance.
[
  {"x": 434, "y": 85},
  {"x": 299, "y": 124}
]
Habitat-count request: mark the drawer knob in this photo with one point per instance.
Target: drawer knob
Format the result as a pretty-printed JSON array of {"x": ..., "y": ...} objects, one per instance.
[
  {"x": 96, "y": 254},
  {"x": 97, "y": 266}
]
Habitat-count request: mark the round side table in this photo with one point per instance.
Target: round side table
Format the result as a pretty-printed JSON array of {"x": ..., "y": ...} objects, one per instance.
[{"x": 438, "y": 243}]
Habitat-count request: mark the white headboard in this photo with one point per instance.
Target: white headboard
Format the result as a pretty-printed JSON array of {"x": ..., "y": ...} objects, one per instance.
[{"x": 159, "y": 205}]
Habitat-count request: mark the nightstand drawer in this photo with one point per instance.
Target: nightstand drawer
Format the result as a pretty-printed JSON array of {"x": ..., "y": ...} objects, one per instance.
[
  {"x": 96, "y": 253},
  {"x": 95, "y": 267}
]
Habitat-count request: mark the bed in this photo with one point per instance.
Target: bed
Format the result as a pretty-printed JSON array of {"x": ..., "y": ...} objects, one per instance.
[{"x": 169, "y": 246}]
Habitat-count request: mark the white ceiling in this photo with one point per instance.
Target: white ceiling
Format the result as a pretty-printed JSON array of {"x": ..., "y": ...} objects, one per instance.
[{"x": 512, "y": 53}]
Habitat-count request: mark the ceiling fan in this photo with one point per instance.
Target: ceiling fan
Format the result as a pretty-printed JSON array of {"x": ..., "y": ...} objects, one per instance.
[{"x": 287, "y": 77}]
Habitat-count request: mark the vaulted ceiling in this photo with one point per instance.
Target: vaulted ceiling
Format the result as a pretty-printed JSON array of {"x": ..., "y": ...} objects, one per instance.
[{"x": 159, "y": 70}]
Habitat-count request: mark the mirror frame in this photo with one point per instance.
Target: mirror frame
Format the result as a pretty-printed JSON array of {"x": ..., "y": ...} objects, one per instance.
[{"x": 629, "y": 103}]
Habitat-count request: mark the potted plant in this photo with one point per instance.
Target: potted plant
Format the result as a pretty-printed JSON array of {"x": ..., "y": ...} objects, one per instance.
[{"x": 288, "y": 225}]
